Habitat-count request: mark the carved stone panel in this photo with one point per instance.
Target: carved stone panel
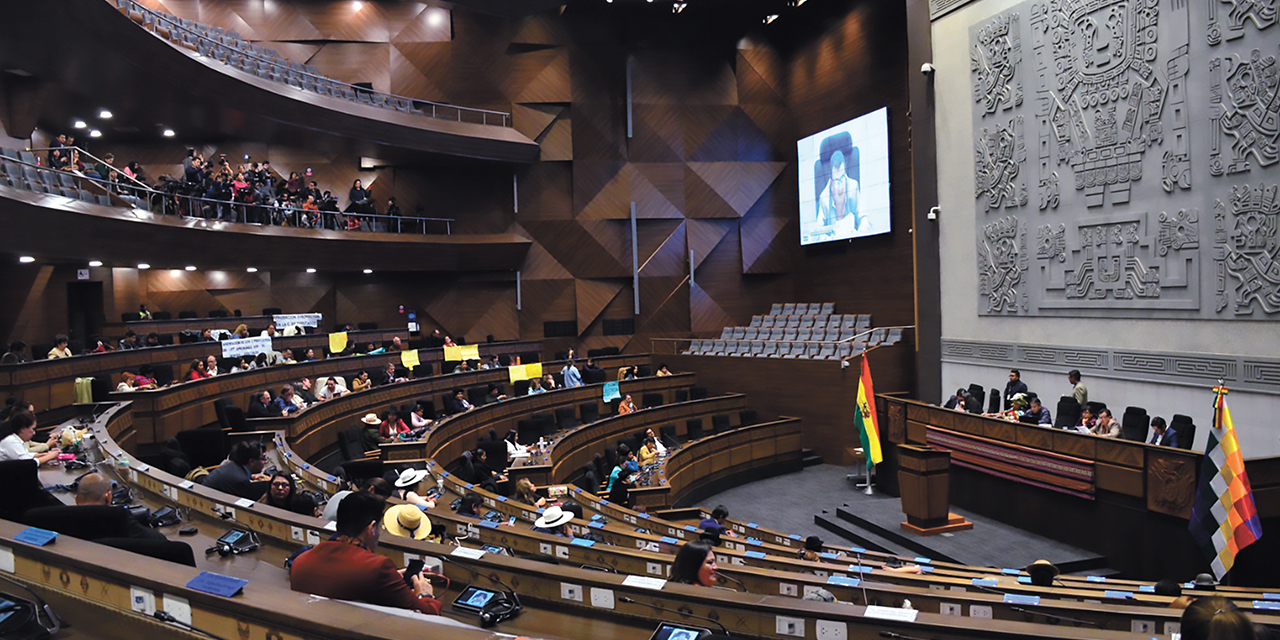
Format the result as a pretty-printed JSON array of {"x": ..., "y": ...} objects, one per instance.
[
  {"x": 1002, "y": 266},
  {"x": 998, "y": 156},
  {"x": 1247, "y": 251},
  {"x": 994, "y": 60},
  {"x": 1244, "y": 113},
  {"x": 1171, "y": 483}
]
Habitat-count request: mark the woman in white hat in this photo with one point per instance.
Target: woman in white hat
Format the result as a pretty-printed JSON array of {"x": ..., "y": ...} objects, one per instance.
[
  {"x": 554, "y": 521},
  {"x": 406, "y": 482},
  {"x": 407, "y": 521}
]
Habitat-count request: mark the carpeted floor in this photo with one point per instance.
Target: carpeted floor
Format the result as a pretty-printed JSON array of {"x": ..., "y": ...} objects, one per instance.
[{"x": 788, "y": 502}]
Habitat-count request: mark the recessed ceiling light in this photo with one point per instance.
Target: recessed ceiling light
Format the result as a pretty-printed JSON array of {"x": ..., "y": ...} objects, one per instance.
[
  {"x": 143, "y": 265},
  {"x": 190, "y": 267},
  {"x": 770, "y": 18},
  {"x": 95, "y": 263},
  {"x": 368, "y": 270},
  {"x": 95, "y": 134},
  {"x": 311, "y": 270},
  {"x": 26, "y": 259},
  {"x": 80, "y": 124},
  {"x": 104, "y": 114},
  {"x": 252, "y": 269},
  {"x": 168, "y": 133},
  {"x": 436, "y": 17}
]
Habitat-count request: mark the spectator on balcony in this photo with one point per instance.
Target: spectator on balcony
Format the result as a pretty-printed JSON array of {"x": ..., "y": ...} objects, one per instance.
[
  {"x": 309, "y": 218},
  {"x": 193, "y": 172},
  {"x": 60, "y": 349},
  {"x": 293, "y": 186},
  {"x": 314, "y": 191},
  {"x": 106, "y": 166},
  {"x": 360, "y": 199},
  {"x": 393, "y": 215}
]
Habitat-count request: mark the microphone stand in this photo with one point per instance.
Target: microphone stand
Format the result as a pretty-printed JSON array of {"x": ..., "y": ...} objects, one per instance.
[
  {"x": 733, "y": 580},
  {"x": 695, "y": 616},
  {"x": 489, "y": 617}
]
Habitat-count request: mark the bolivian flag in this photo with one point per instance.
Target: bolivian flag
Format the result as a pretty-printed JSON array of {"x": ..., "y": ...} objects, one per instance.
[{"x": 864, "y": 416}]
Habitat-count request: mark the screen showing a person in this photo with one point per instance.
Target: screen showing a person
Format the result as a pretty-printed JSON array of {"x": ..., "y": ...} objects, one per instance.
[
  {"x": 474, "y": 597},
  {"x": 669, "y": 631},
  {"x": 844, "y": 180}
]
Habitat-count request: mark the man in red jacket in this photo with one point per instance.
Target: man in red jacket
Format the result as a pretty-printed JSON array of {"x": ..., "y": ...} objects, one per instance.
[{"x": 346, "y": 568}]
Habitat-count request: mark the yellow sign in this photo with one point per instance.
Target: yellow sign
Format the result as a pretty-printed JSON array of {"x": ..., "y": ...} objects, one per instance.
[
  {"x": 464, "y": 352},
  {"x": 409, "y": 359},
  {"x": 518, "y": 372},
  {"x": 338, "y": 342}
]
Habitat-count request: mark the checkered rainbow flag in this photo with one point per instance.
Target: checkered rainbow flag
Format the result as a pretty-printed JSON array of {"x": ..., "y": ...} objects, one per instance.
[{"x": 1223, "y": 519}]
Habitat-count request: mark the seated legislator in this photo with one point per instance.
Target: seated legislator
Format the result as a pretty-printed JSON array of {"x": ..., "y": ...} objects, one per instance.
[
  {"x": 535, "y": 387},
  {"x": 695, "y": 564},
  {"x": 1037, "y": 413},
  {"x": 16, "y": 432},
  {"x": 648, "y": 453},
  {"x": 130, "y": 381},
  {"x": 418, "y": 420},
  {"x": 95, "y": 489},
  {"x": 239, "y": 475},
  {"x": 1106, "y": 426},
  {"x": 715, "y": 523},
  {"x": 361, "y": 382},
  {"x": 282, "y": 493},
  {"x": 626, "y": 406},
  {"x": 572, "y": 377},
  {"x": 1162, "y": 434},
  {"x": 392, "y": 427},
  {"x": 554, "y": 521},
  {"x": 345, "y": 566},
  {"x": 303, "y": 396},
  {"x": 663, "y": 370},
  {"x": 459, "y": 403},
  {"x": 60, "y": 349},
  {"x": 620, "y": 493},
  {"x": 331, "y": 390},
  {"x": 196, "y": 371},
  {"x": 211, "y": 366},
  {"x": 261, "y": 406},
  {"x": 527, "y": 493},
  {"x": 389, "y": 376},
  {"x": 657, "y": 442}
]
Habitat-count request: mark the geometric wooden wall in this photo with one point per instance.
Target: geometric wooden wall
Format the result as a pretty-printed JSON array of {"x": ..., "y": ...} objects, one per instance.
[{"x": 710, "y": 167}]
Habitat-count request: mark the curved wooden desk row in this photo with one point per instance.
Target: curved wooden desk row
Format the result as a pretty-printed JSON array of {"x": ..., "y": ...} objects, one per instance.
[
  {"x": 177, "y": 325},
  {"x": 50, "y": 384},
  {"x": 162, "y": 413},
  {"x": 456, "y": 434},
  {"x": 541, "y": 582}
]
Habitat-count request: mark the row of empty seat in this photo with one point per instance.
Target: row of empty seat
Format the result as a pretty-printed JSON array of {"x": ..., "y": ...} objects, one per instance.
[
  {"x": 802, "y": 308},
  {"x": 13, "y": 173},
  {"x": 232, "y": 49},
  {"x": 791, "y": 334},
  {"x": 808, "y": 350},
  {"x": 861, "y": 322}
]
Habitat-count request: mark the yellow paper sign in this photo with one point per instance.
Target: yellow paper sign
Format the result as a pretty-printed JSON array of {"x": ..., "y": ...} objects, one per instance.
[
  {"x": 409, "y": 358},
  {"x": 464, "y": 352},
  {"x": 338, "y": 342},
  {"x": 518, "y": 372}
]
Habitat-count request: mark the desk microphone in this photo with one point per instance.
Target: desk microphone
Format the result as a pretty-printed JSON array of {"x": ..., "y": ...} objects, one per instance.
[
  {"x": 165, "y": 616},
  {"x": 1054, "y": 617},
  {"x": 733, "y": 580},
  {"x": 862, "y": 581},
  {"x": 898, "y": 636},
  {"x": 723, "y": 629}
]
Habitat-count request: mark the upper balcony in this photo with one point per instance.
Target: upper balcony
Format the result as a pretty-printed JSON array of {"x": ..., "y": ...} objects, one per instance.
[{"x": 153, "y": 69}]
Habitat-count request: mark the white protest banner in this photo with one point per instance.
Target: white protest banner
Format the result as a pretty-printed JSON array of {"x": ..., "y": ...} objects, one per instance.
[
  {"x": 246, "y": 347},
  {"x": 283, "y": 320}
]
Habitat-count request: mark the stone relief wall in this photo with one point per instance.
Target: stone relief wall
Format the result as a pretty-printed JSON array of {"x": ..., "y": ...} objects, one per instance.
[{"x": 1150, "y": 189}]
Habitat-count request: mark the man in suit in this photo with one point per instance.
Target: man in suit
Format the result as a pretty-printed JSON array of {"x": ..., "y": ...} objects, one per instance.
[
  {"x": 1162, "y": 434},
  {"x": 389, "y": 375},
  {"x": 236, "y": 474},
  {"x": 95, "y": 489},
  {"x": 345, "y": 566},
  {"x": 1013, "y": 387}
]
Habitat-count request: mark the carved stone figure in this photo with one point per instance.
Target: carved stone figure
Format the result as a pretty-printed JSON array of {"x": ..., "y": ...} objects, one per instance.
[
  {"x": 994, "y": 60},
  {"x": 1262, "y": 13},
  {"x": 1247, "y": 250},
  {"x": 1002, "y": 265},
  {"x": 997, "y": 162},
  {"x": 1244, "y": 96}
]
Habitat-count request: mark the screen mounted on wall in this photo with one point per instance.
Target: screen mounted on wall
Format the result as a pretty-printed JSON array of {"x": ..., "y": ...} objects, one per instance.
[{"x": 844, "y": 180}]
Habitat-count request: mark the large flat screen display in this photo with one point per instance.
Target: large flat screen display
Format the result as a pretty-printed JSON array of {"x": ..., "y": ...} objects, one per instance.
[{"x": 844, "y": 180}]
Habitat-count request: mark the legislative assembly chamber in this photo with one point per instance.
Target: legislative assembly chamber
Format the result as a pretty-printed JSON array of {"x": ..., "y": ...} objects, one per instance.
[{"x": 640, "y": 319}]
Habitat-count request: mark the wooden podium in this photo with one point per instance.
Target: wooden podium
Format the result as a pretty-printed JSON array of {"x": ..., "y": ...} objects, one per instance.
[{"x": 925, "y": 484}]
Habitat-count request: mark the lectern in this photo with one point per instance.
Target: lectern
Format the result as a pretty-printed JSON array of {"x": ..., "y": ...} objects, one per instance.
[{"x": 925, "y": 484}]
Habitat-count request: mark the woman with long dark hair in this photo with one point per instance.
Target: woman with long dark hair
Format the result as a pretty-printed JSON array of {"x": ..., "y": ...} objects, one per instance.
[{"x": 695, "y": 564}]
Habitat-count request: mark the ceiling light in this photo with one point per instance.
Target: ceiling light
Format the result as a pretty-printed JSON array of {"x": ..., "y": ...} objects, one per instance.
[
  {"x": 95, "y": 134},
  {"x": 95, "y": 263},
  {"x": 104, "y": 114},
  {"x": 80, "y": 124},
  {"x": 368, "y": 271},
  {"x": 311, "y": 270},
  {"x": 435, "y": 17},
  {"x": 770, "y": 18},
  {"x": 357, "y": 5},
  {"x": 678, "y": 7},
  {"x": 143, "y": 265},
  {"x": 26, "y": 259},
  {"x": 168, "y": 133},
  {"x": 252, "y": 269},
  {"x": 190, "y": 267}
]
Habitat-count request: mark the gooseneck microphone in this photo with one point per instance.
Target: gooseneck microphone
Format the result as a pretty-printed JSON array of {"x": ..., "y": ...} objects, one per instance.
[
  {"x": 898, "y": 636},
  {"x": 733, "y": 580},
  {"x": 695, "y": 616},
  {"x": 1055, "y": 617}
]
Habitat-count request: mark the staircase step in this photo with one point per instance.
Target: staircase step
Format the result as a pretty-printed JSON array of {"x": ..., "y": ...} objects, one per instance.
[
  {"x": 862, "y": 538},
  {"x": 894, "y": 535},
  {"x": 810, "y": 459}
]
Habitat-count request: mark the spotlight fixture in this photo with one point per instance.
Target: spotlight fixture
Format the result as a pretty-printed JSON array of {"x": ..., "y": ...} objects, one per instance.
[
  {"x": 368, "y": 271},
  {"x": 770, "y": 18},
  {"x": 678, "y": 7},
  {"x": 312, "y": 270},
  {"x": 95, "y": 134},
  {"x": 252, "y": 269},
  {"x": 95, "y": 263},
  {"x": 796, "y": 3},
  {"x": 104, "y": 114},
  {"x": 80, "y": 124},
  {"x": 168, "y": 133},
  {"x": 190, "y": 267},
  {"x": 26, "y": 259},
  {"x": 143, "y": 266}
]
